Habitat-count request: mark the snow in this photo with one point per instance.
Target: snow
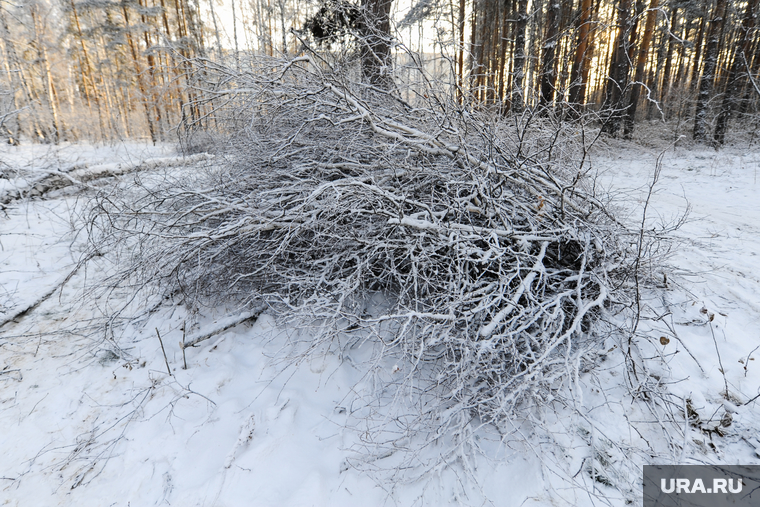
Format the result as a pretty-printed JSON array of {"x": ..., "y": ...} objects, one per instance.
[{"x": 91, "y": 417}]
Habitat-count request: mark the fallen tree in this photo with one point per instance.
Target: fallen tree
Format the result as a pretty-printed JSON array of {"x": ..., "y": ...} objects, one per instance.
[
  {"x": 470, "y": 248},
  {"x": 39, "y": 182}
]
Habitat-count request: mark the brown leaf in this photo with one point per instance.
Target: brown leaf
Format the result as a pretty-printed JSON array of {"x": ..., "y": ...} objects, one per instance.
[{"x": 664, "y": 340}]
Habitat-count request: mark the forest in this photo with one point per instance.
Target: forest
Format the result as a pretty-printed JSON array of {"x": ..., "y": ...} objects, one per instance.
[
  {"x": 99, "y": 70},
  {"x": 377, "y": 252}
]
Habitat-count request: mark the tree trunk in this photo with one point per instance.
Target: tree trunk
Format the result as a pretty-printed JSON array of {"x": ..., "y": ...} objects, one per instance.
[
  {"x": 740, "y": 63},
  {"x": 43, "y": 58},
  {"x": 548, "y": 73},
  {"x": 473, "y": 52},
  {"x": 87, "y": 74},
  {"x": 460, "y": 70},
  {"x": 376, "y": 43},
  {"x": 15, "y": 80},
  {"x": 518, "y": 75},
  {"x": 579, "y": 74},
  {"x": 671, "y": 43},
  {"x": 282, "y": 27},
  {"x": 707, "y": 80},
  {"x": 139, "y": 77},
  {"x": 216, "y": 31},
  {"x": 155, "y": 93},
  {"x": 501, "y": 44},
  {"x": 752, "y": 83},
  {"x": 488, "y": 54},
  {"x": 618, "y": 75},
  {"x": 640, "y": 65},
  {"x": 235, "y": 37},
  {"x": 698, "y": 53}
]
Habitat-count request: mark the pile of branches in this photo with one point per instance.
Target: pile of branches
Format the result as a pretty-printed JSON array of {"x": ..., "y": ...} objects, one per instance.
[{"x": 491, "y": 260}]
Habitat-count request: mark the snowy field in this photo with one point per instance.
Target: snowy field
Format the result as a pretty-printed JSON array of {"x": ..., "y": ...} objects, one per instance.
[{"x": 89, "y": 415}]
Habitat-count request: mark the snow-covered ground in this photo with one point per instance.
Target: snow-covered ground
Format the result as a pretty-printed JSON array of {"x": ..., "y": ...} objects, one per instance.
[{"x": 89, "y": 415}]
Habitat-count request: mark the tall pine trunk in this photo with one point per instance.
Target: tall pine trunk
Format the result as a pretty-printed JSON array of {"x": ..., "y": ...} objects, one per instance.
[
  {"x": 618, "y": 75},
  {"x": 740, "y": 64},
  {"x": 139, "y": 77},
  {"x": 707, "y": 80},
  {"x": 549, "y": 50},
  {"x": 376, "y": 44},
  {"x": 579, "y": 74},
  {"x": 630, "y": 114},
  {"x": 460, "y": 57},
  {"x": 518, "y": 75},
  {"x": 671, "y": 43}
]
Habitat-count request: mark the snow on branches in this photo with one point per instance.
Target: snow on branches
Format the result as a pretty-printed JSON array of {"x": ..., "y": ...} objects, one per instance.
[{"x": 492, "y": 259}]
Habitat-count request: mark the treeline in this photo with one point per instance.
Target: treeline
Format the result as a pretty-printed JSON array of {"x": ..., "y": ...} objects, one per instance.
[
  {"x": 104, "y": 69},
  {"x": 628, "y": 59},
  {"x": 98, "y": 69}
]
